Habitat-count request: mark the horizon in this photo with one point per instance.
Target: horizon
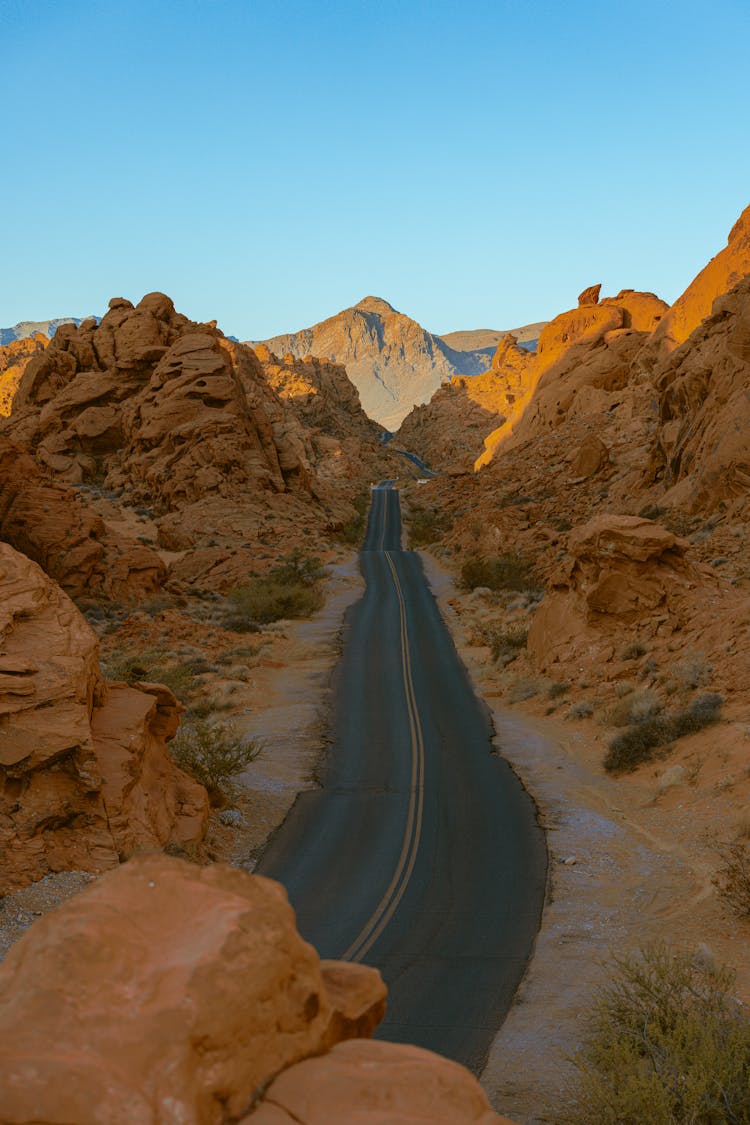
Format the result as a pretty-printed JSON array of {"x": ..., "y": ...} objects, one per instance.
[{"x": 262, "y": 167}]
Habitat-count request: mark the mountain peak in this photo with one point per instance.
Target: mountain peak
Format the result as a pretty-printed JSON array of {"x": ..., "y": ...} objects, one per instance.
[{"x": 375, "y": 305}]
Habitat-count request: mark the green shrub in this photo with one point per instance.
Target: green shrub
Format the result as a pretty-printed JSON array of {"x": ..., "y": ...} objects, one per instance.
[
  {"x": 506, "y": 643},
  {"x": 426, "y": 525},
  {"x": 665, "y": 1045},
  {"x": 291, "y": 589},
  {"x": 639, "y": 742},
  {"x": 213, "y": 753},
  {"x": 152, "y": 666},
  {"x": 505, "y": 572}
]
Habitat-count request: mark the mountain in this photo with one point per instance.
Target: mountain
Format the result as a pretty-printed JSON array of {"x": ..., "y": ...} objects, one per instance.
[
  {"x": 392, "y": 360},
  {"x": 487, "y": 339},
  {"x": 31, "y": 327}
]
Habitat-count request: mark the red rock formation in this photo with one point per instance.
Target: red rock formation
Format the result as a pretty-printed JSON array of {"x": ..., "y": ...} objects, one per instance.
[
  {"x": 86, "y": 775},
  {"x": 181, "y": 993},
  {"x": 701, "y": 453},
  {"x": 619, "y": 570},
  {"x": 361, "y": 1081},
  {"x": 13, "y": 359},
  {"x": 722, "y": 273}
]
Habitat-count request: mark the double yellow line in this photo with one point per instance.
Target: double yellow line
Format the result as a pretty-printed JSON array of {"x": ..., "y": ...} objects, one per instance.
[{"x": 390, "y": 900}]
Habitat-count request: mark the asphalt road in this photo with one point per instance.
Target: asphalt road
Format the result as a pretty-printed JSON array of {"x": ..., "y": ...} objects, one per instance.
[{"x": 420, "y": 853}]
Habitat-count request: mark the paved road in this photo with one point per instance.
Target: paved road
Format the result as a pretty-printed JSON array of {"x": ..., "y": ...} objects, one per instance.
[{"x": 420, "y": 853}]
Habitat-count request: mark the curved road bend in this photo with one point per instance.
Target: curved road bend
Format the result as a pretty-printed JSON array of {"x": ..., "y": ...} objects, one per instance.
[{"x": 420, "y": 853}]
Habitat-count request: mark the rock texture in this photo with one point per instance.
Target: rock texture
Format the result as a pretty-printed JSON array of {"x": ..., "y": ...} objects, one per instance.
[
  {"x": 362, "y": 1083},
  {"x": 179, "y": 991},
  {"x": 86, "y": 775},
  {"x": 722, "y": 273},
  {"x": 150, "y": 413},
  {"x": 185, "y": 994},
  {"x": 393, "y": 362},
  {"x": 450, "y": 429},
  {"x": 51, "y": 524},
  {"x": 13, "y": 359}
]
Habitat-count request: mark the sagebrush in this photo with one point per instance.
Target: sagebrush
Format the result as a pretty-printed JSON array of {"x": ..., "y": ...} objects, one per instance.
[{"x": 213, "y": 753}]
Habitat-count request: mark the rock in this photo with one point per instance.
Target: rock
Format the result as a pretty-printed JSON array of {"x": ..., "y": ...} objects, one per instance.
[
  {"x": 591, "y": 456},
  {"x": 87, "y": 776},
  {"x": 14, "y": 357},
  {"x": 361, "y": 1082},
  {"x": 50, "y": 523},
  {"x": 179, "y": 993},
  {"x": 619, "y": 570},
  {"x": 590, "y": 296},
  {"x": 721, "y": 274},
  {"x": 701, "y": 452}
]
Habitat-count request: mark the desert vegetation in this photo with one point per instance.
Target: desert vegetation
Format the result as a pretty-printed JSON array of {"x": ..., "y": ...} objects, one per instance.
[
  {"x": 643, "y": 738},
  {"x": 503, "y": 572},
  {"x": 667, "y": 1044},
  {"x": 292, "y": 588},
  {"x": 214, "y": 753}
]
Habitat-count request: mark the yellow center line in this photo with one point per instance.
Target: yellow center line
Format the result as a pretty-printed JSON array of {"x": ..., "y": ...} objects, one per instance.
[{"x": 390, "y": 900}]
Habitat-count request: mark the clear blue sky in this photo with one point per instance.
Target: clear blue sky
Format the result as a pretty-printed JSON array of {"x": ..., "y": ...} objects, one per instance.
[{"x": 268, "y": 163}]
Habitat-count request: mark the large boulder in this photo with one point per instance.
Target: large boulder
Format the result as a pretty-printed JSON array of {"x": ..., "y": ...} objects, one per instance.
[
  {"x": 86, "y": 776},
  {"x": 618, "y": 571},
  {"x": 165, "y": 993}
]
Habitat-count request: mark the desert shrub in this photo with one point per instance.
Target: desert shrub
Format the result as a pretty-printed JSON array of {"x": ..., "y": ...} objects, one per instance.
[
  {"x": 634, "y": 707},
  {"x": 666, "y": 1044},
  {"x": 506, "y": 643},
  {"x": 523, "y": 688},
  {"x": 426, "y": 525},
  {"x": 213, "y": 753},
  {"x": 733, "y": 877},
  {"x": 633, "y": 651},
  {"x": 151, "y": 665},
  {"x": 692, "y": 672},
  {"x": 291, "y": 589},
  {"x": 504, "y": 572},
  {"x": 352, "y": 531},
  {"x": 580, "y": 710},
  {"x": 557, "y": 689},
  {"x": 639, "y": 742}
]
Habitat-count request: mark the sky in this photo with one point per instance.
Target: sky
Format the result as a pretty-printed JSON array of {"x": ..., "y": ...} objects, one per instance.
[{"x": 269, "y": 163}]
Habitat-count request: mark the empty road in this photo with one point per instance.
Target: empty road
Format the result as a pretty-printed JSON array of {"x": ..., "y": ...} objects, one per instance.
[{"x": 420, "y": 853}]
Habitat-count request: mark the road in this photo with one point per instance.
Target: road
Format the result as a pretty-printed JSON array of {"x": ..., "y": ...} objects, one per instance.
[{"x": 420, "y": 852}]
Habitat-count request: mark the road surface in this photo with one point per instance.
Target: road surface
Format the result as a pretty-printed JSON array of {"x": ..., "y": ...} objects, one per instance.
[{"x": 420, "y": 852}]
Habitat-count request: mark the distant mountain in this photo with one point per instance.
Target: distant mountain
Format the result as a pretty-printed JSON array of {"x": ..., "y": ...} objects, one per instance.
[
  {"x": 30, "y": 327},
  {"x": 486, "y": 339},
  {"x": 394, "y": 363}
]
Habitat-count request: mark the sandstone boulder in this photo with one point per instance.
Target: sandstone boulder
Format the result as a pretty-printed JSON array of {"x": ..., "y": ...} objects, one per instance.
[
  {"x": 86, "y": 777},
  {"x": 13, "y": 360},
  {"x": 364, "y": 1083},
  {"x": 619, "y": 570},
  {"x": 590, "y": 296},
  {"x": 167, "y": 992},
  {"x": 591, "y": 456}
]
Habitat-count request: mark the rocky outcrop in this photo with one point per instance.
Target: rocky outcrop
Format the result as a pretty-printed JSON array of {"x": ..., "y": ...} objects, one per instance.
[
  {"x": 51, "y": 524},
  {"x": 86, "y": 777},
  {"x": 393, "y": 362},
  {"x": 619, "y": 570},
  {"x": 584, "y": 362},
  {"x": 450, "y": 429},
  {"x": 701, "y": 453},
  {"x": 180, "y": 994},
  {"x": 13, "y": 359},
  {"x": 722, "y": 273},
  {"x": 25, "y": 328}
]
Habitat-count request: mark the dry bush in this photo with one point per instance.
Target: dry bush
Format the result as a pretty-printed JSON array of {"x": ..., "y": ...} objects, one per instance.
[
  {"x": 665, "y": 1045},
  {"x": 506, "y": 643},
  {"x": 638, "y": 743},
  {"x": 426, "y": 525},
  {"x": 213, "y": 753},
  {"x": 291, "y": 589},
  {"x": 633, "y": 707},
  {"x": 504, "y": 572}
]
